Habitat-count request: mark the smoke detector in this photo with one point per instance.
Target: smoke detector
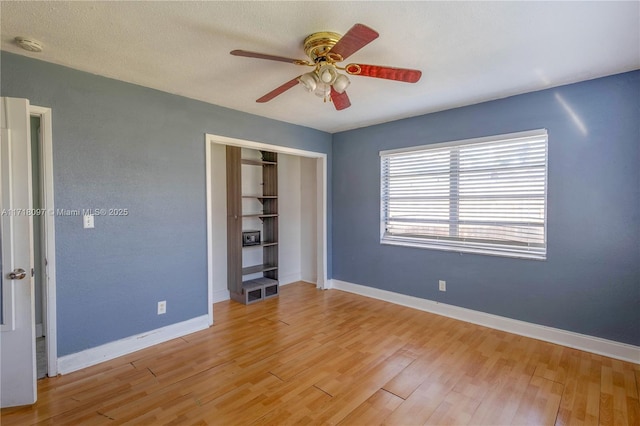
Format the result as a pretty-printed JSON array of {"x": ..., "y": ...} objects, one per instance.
[{"x": 30, "y": 44}]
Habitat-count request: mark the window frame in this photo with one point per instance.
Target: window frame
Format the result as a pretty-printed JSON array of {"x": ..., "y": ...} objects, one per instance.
[{"x": 479, "y": 247}]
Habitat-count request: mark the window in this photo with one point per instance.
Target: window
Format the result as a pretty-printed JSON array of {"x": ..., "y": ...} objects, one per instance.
[{"x": 485, "y": 195}]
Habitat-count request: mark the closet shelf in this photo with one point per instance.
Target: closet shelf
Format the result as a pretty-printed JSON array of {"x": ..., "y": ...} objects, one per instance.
[
  {"x": 260, "y": 215},
  {"x": 258, "y": 282},
  {"x": 251, "y": 162},
  {"x": 258, "y": 268},
  {"x": 263, "y": 244}
]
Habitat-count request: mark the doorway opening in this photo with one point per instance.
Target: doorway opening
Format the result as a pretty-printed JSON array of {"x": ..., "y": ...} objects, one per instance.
[
  {"x": 38, "y": 249},
  {"x": 305, "y": 191},
  {"x": 43, "y": 241}
]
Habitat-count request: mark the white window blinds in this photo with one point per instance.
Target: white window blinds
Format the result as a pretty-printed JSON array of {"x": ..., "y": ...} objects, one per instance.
[{"x": 485, "y": 195}]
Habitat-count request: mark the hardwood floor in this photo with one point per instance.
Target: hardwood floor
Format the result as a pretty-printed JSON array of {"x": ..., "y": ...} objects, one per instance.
[{"x": 330, "y": 357}]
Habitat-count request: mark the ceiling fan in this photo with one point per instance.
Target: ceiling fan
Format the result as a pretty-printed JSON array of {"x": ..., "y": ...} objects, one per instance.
[{"x": 326, "y": 49}]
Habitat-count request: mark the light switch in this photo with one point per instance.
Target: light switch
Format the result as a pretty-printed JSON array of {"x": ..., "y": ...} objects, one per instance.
[{"x": 87, "y": 221}]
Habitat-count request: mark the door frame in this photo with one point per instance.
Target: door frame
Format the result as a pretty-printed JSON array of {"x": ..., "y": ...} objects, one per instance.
[
  {"x": 48, "y": 234},
  {"x": 322, "y": 281}
]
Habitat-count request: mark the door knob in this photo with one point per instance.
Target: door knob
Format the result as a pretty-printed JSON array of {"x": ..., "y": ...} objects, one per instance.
[{"x": 17, "y": 274}]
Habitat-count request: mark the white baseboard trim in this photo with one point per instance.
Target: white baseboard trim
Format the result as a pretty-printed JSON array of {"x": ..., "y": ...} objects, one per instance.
[
  {"x": 220, "y": 296},
  {"x": 583, "y": 342},
  {"x": 293, "y": 282},
  {"x": 108, "y": 351},
  {"x": 310, "y": 280},
  {"x": 294, "y": 277}
]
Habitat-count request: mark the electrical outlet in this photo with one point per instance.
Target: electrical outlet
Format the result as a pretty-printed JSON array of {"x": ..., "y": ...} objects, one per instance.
[
  {"x": 162, "y": 307},
  {"x": 87, "y": 221},
  {"x": 442, "y": 285}
]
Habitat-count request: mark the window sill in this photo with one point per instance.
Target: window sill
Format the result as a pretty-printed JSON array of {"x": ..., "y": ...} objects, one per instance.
[{"x": 486, "y": 251}]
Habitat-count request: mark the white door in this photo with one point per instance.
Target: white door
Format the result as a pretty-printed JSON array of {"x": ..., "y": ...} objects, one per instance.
[{"x": 17, "y": 335}]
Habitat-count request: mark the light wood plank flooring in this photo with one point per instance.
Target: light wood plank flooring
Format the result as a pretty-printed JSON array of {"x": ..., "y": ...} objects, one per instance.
[{"x": 330, "y": 357}]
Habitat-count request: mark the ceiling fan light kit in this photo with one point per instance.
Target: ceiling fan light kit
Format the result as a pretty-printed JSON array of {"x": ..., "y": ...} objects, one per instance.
[
  {"x": 309, "y": 81},
  {"x": 326, "y": 49},
  {"x": 341, "y": 83},
  {"x": 328, "y": 73},
  {"x": 322, "y": 79},
  {"x": 323, "y": 91}
]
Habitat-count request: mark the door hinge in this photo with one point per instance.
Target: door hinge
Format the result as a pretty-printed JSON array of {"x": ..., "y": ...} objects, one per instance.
[{"x": 33, "y": 272}]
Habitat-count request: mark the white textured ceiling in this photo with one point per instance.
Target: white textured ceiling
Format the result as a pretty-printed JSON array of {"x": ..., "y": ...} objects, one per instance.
[{"x": 468, "y": 52}]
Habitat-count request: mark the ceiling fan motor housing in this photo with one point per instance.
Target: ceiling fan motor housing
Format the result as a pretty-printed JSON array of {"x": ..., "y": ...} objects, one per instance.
[{"x": 317, "y": 45}]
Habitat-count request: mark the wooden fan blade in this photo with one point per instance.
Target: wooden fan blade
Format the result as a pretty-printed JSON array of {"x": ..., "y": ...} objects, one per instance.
[
  {"x": 355, "y": 39},
  {"x": 262, "y": 56},
  {"x": 340, "y": 100},
  {"x": 399, "y": 74},
  {"x": 279, "y": 90}
]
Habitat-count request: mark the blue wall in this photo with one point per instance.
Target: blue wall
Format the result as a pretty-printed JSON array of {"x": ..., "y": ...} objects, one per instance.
[
  {"x": 118, "y": 145},
  {"x": 590, "y": 282},
  {"x": 122, "y": 145}
]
